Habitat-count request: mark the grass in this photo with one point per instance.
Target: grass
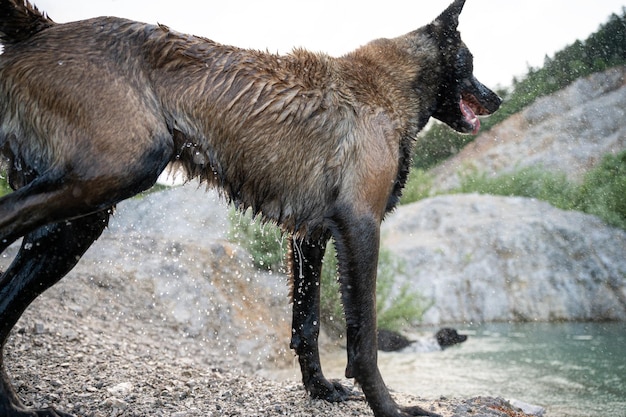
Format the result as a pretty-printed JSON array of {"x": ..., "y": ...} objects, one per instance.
[
  {"x": 601, "y": 193},
  {"x": 528, "y": 182},
  {"x": 264, "y": 242},
  {"x": 417, "y": 187},
  {"x": 395, "y": 308},
  {"x": 4, "y": 185}
]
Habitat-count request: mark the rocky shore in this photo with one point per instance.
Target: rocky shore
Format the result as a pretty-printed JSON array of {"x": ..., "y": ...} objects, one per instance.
[{"x": 94, "y": 349}]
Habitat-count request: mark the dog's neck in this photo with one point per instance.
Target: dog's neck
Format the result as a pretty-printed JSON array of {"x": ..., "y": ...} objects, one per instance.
[{"x": 398, "y": 70}]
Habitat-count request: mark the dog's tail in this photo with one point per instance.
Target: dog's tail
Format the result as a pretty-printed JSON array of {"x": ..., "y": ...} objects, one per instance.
[{"x": 19, "y": 20}]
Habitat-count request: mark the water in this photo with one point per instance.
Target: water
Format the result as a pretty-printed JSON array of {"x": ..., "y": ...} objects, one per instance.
[{"x": 572, "y": 369}]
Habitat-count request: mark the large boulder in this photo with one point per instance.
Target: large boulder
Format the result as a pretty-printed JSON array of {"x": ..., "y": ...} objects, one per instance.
[
  {"x": 174, "y": 242},
  {"x": 484, "y": 258}
]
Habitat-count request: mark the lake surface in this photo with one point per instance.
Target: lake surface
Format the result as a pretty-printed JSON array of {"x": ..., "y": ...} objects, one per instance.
[{"x": 571, "y": 369}]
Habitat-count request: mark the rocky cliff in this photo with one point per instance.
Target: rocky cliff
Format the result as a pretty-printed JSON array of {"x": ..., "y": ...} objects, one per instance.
[{"x": 175, "y": 242}]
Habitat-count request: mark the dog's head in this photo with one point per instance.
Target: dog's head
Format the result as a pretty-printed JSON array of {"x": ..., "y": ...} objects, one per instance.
[
  {"x": 461, "y": 97},
  {"x": 448, "y": 337}
]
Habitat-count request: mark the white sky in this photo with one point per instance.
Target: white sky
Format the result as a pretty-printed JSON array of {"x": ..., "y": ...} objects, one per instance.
[{"x": 505, "y": 36}]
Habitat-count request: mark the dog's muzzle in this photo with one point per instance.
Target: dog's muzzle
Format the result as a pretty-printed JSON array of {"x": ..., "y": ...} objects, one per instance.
[{"x": 477, "y": 100}]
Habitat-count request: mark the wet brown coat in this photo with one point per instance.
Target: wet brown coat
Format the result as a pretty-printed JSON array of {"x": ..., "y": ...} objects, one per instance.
[{"x": 240, "y": 119}]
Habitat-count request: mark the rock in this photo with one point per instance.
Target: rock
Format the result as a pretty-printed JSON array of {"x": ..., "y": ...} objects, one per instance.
[
  {"x": 447, "y": 337},
  {"x": 567, "y": 132},
  {"x": 390, "y": 341},
  {"x": 530, "y": 409},
  {"x": 39, "y": 328},
  {"x": 188, "y": 213},
  {"x": 485, "y": 258},
  {"x": 114, "y": 403},
  {"x": 121, "y": 389},
  {"x": 174, "y": 242}
]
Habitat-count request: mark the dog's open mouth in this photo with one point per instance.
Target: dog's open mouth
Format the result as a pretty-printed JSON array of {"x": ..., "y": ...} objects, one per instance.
[{"x": 471, "y": 108}]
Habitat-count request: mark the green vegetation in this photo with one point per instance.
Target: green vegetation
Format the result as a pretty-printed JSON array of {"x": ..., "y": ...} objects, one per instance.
[
  {"x": 603, "y": 49},
  {"x": 602, "y": 192},
  {"x": 4, "y": 186},
  {"x": 263, "y": 241},
  {"x": 417, "y": 187},
  {"x": 528, "y": 182},
  {"x": 395, "y": 308},
  {"x": 437, "y": 144}
]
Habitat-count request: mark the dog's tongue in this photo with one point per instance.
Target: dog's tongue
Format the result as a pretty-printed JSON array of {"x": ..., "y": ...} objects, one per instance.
[{"x": 470, "y": 116}]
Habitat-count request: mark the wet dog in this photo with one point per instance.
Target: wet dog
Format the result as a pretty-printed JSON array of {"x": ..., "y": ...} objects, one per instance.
[
  {"x": 447, "y": 337},
  {"x": 390, "y": 341},
  {"x": 91, "y": 112}
]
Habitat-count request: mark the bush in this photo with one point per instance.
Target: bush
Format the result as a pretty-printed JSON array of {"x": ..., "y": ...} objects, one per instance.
[
  {"x": 417, "y": 186},
  {"x": 437, "y": 143},
  {"x": 4, "y": 185},
  {"x": 528, "y": 182},
  {"x": 394, "y": 309},
  {"x": 602, "y": 192},
  {"x": 263, "y": 241}
]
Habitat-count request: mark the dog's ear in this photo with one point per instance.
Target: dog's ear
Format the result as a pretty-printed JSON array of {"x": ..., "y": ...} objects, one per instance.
[{"x": 448, "y": 21}]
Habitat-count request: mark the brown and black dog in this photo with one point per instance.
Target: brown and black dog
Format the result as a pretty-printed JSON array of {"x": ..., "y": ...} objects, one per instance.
[{"x": 91, "y": 112}]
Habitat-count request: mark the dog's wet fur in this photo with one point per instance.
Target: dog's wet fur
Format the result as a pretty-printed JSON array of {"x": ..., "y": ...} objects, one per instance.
[{"x": 91, "y": 112}]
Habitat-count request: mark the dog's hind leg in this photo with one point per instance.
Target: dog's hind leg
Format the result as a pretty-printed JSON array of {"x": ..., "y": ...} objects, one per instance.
[
  {"x": 90, "y": 183},
  {"x": 306, "y": 265},
  {"x": 46, "y": 255}
]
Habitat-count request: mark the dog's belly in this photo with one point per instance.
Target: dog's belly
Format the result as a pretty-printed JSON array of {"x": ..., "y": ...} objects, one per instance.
[{"x": 297, "y": 204}]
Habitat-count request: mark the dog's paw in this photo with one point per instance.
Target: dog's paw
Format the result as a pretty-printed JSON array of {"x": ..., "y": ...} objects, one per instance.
[
  {"x": 417, "y": 411},
  {"x": 51, "y": 412},
  {"x": 345, "y": 393},
  {"x": 334, "y": 392}
]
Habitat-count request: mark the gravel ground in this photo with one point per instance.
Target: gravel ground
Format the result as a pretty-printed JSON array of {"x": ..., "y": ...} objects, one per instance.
[
  {"x": 162, "y": 321},
  {"x": 99, "y": 360}
]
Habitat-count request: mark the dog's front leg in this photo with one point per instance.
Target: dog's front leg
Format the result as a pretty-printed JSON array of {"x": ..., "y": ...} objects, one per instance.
[
  {"x": 305, "y": 259},
  {"x": 357, "y": 239}
]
